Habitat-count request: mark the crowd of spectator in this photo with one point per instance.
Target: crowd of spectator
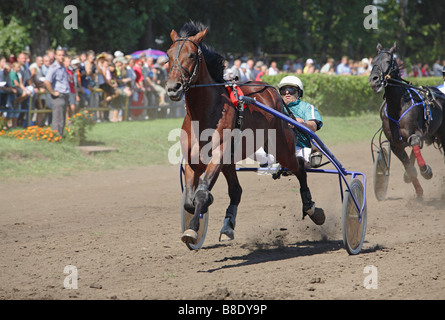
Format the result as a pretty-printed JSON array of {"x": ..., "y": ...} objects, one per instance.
[
  {"x": 122, "y": 78},
  {"x": 251, "y": 70},
  {"x": 96, "y": 80}
]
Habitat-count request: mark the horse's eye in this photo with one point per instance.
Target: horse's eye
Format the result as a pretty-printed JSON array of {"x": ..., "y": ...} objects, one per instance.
[{"x": 193, "y": 56}]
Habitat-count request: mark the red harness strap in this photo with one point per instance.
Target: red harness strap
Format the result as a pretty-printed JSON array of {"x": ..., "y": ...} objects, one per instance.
[{"x": 232, "y": 96}]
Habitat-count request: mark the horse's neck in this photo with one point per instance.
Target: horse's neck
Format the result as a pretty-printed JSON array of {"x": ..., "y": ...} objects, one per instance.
[{"x": 393, "y": 97}]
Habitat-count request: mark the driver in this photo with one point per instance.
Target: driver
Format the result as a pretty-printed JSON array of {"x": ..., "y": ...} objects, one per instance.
[{"x": 291, "y": 90}]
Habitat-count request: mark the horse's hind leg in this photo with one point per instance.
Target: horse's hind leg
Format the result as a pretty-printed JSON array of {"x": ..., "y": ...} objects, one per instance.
[
  {"x": 416, "y": 144},
  {"x": 235, "y": 191},
  {"x": 410, "y": 170}
]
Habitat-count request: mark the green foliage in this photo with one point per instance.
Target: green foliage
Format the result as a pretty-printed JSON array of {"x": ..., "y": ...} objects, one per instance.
[
  {"x": 77, "y": 127},
  {"x": 343, "y": 95},
  {"x": 260, "y": 28},
  {"x": 13, "y": 37}
]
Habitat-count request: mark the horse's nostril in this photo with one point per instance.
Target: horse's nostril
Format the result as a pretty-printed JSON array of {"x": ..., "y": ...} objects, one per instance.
[
  {"x": 175, "y": 87},
  {"x": 375, "y": 79}
]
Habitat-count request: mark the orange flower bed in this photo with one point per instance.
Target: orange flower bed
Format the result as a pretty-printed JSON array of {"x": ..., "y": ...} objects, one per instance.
[{"x": 34, "y": 133}]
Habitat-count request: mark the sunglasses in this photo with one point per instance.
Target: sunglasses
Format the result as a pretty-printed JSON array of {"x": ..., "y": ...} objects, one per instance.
[{"x": 291, "y": 90}]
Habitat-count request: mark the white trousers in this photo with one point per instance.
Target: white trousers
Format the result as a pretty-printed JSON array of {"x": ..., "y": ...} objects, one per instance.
[{"x": 262, "y": 157}]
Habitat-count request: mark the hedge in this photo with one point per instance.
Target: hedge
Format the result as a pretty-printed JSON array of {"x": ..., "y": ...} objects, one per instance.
[{"x": 335, "y": 95}]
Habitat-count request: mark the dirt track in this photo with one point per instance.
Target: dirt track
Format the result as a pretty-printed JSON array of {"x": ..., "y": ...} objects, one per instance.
[{"x": 121, "y": 230}]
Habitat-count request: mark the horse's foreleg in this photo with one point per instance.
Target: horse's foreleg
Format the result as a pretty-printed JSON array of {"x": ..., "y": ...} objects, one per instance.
[
  {"x": 235, "y": 191},
  {"x": 202, "y": 199},
  {"x": 192, "y": 179}
]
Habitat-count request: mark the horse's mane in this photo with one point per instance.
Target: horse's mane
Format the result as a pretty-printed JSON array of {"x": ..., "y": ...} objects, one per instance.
[{"x": 214, "y": 61}]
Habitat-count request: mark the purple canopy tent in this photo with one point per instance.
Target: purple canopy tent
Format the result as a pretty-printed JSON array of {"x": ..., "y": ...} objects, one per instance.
[{"x": 155, "y": 54}]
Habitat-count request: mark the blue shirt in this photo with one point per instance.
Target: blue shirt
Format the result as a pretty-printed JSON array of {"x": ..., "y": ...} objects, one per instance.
[
  {"x": 306, "y": 111},
  {"x": 343, "y": 68},
  {"x": 58, "y": 77}
]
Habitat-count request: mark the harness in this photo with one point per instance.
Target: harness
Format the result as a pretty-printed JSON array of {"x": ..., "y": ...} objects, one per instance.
[
  {"x": 234, "y": 93},
  {"x": 426, "y": 95},
  {"x": 426, "y": 111}
]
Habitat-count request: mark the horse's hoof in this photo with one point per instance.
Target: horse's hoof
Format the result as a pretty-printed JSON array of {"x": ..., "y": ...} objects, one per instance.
[
  {"x": 426, "y": 172},
  {"x": 228, "y": 236},
  {"x": 227, "y": 232},
  {"x": 317, "y": 215},
  {"x": 190, "y": 236}
]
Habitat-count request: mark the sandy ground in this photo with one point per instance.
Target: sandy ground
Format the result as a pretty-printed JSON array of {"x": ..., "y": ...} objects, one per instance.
[{"x": 121, "y": 231}]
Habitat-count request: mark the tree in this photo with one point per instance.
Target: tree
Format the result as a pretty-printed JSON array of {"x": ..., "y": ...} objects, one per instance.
[{"x": 13, "y": 37}]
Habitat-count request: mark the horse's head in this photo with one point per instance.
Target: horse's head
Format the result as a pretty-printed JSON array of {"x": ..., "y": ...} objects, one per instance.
[
  {"x": 185, "y": 57},
  {"x": 383, "y": 65}
]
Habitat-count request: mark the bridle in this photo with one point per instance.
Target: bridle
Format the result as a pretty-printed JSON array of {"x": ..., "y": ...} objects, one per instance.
[
  {"x": 383, "y": 77},
  {"x": 186, "y": 84}
]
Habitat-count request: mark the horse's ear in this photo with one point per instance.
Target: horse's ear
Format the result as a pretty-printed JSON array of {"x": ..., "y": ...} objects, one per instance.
[
  {"x": 394, "y": 48},
  {"x": 174, "y": 35},
  {"x": 199, "y": 36},
  {"x": 379, "y": 47}
]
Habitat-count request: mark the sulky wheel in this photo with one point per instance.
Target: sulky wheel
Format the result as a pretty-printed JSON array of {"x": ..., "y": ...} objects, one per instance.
[
  {"x": 203, "y": 223},
  {"x": 354, "y": 228},
  {"x": 381, "y": 173}
]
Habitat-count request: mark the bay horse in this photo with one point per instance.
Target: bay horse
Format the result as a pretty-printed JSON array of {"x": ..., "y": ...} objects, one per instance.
[
  {"x": 196, "y": 72},
  {"x": 411, "y": 116}
]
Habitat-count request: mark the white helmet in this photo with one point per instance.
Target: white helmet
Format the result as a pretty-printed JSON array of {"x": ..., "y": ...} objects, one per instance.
[{"x": 291, "y": 81}]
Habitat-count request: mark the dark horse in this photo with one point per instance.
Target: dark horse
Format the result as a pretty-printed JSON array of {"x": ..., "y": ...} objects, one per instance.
[
  {"x": 196, "y": 70},
  {"x": 411, "y": 116}
]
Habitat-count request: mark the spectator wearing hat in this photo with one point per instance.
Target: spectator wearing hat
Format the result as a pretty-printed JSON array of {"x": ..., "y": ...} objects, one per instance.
[
  {"x": 123, "y": 89},
  {"x": 309, "y": 67},
  {"x": 363, "y": 67},
  {"x": 242, "y": 72},
  {"x": 71, "y": 110}
]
